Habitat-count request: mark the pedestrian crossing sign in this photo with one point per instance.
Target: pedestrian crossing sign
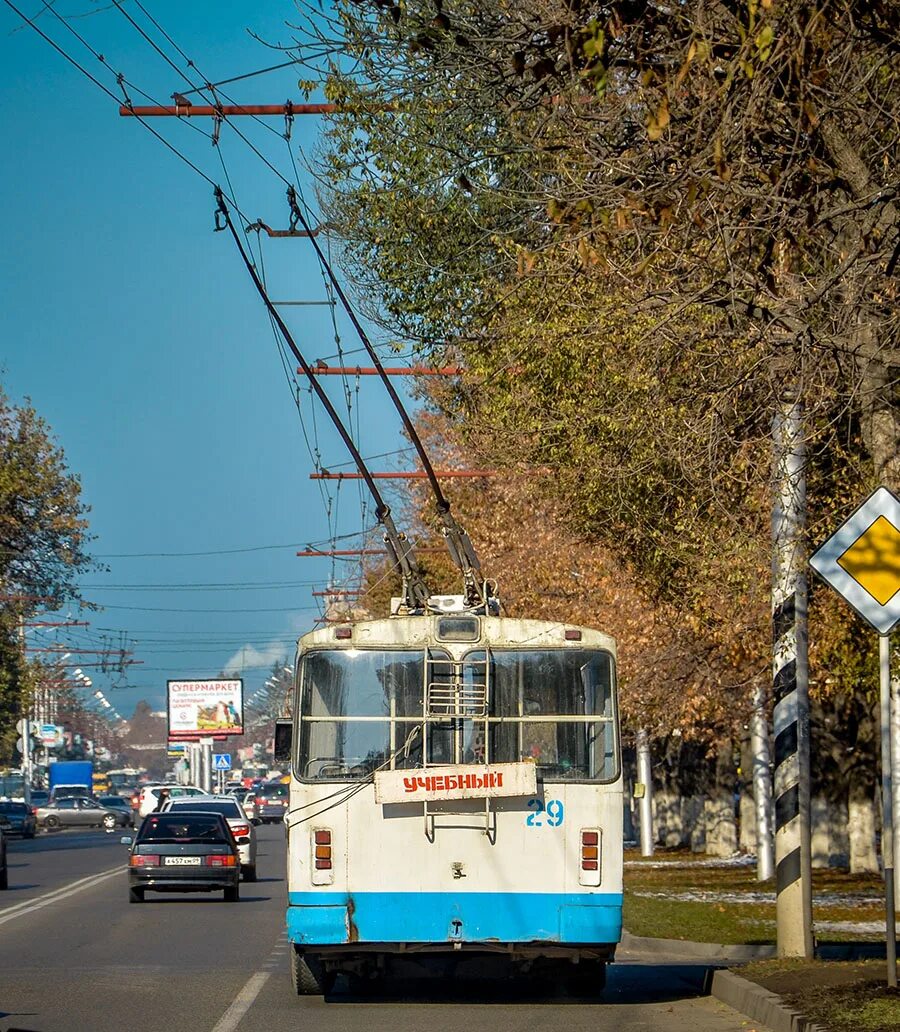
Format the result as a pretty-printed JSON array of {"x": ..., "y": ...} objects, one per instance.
[
  {"x": 861, "y": 560},
  {"x": 222, "y": 761}
]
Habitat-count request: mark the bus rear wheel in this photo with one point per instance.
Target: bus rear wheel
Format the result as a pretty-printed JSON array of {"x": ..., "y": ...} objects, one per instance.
[
  {"x": 587, "y": 979},
  {"x": 308, "y": 976}
]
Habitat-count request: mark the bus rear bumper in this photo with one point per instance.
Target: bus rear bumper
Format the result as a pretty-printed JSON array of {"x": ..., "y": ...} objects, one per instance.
[{"x": 480, "y": 920}]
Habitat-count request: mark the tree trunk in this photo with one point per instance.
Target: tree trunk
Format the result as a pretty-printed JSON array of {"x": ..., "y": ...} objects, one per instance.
[
  {"x": 861, "y": 825},
  {"x": 721, "y": 825},
  {"x": 669, "y": 818},
  {"x": 830, "y": 845},
  {"x": 695, "y": 823}
]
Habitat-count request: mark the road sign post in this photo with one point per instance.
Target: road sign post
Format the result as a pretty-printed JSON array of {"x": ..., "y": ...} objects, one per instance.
[
  {"x": 887, "y": 790},
  {"x": 861, "y": 561}
]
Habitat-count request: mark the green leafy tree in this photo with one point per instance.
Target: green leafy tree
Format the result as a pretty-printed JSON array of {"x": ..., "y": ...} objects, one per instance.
[{"x": 43, "y": 541}]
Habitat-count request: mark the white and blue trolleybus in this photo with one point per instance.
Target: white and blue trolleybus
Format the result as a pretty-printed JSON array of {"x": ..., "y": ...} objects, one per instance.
[
  {"x": 456, "y": 788},
  {"x": 456, "y": 783}
]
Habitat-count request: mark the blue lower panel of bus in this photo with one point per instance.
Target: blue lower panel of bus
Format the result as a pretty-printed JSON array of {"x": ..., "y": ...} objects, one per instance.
[{"x": 331, "y": 918}]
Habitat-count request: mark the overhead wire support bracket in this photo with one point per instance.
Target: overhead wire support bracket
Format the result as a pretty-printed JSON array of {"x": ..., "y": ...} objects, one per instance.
[
  {"x": 415, "y": 592},
  {"x": 413, "y": 474},
  {"x": 327, "y": 370},
  {"x": 259, "y": 225},
  {"x": 477, "y": 589}
]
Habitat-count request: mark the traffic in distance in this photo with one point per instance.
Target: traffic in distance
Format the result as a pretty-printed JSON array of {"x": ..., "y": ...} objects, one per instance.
[{"x": 445, "y": 804}]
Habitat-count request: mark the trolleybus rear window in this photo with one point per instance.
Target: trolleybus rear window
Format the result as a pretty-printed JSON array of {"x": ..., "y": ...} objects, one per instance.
[{"x": 367, "y": 709}]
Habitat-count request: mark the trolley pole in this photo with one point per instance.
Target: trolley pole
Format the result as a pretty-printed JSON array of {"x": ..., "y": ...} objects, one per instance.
[
  {"x": 645, "y": 777},
  {"x": 790, "y": 682},
  {"x": 887, "y": 804}
]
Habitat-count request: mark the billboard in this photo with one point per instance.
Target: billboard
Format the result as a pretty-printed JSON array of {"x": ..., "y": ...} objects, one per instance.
[{"x": 204, "y": 709}]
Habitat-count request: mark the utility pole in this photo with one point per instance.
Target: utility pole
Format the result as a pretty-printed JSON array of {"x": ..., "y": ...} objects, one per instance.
[
  {"x": 762, "y": 784},
  {"x": 790, "y": 681},
  {"x": 645, "y": 777},
  {"x": 27, "y": 769}
]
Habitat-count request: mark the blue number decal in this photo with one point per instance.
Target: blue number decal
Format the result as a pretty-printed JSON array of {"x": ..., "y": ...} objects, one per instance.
[
  {"x": 555, "y": 813},
  {"x": 532, "y": 819},
  {"x": 554, "y": 810}
]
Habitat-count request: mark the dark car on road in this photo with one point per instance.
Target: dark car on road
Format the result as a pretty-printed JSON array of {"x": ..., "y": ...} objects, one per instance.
[
  {"x": 183, "y": 852},
  {"x": 270, "y": 802},
  {"x": 20, "y": 817},
  {"x": 81, "y": 812},
  {"x": 122, "y": 804}
]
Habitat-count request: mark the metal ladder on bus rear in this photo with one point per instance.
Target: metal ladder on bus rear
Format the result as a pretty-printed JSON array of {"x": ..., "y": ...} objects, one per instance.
[{"x": 459, "y": 700}]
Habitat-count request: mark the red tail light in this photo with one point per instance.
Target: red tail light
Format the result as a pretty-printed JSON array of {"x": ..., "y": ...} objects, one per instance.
[
  {"x": 322, "y": 849},
  {"x": 144, "y": 860},
  {"x": 220, "y": 860},
  {"x": 590, "y": 851},
  {"x": 241, "y": 829}
]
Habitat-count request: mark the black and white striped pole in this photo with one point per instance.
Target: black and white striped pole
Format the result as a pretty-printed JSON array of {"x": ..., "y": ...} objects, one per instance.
[{"x": 790, "y": 683}]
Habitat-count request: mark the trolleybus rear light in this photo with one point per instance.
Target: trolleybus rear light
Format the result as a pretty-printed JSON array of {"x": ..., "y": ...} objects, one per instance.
[
  {"x": 590, "y": 850},
  {"x": 573, "y": 634},
  {"x": 322, "y": 849},
  {"x": 343, "y": 632}
]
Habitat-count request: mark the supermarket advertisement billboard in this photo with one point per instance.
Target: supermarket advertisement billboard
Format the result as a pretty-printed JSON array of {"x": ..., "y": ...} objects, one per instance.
[{"x": 200, "y": 709}]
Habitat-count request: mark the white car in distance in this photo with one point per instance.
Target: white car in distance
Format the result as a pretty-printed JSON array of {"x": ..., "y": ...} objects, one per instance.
[
  {"x": 149, "y": 797},
  {"x": 241, "y": 826}
]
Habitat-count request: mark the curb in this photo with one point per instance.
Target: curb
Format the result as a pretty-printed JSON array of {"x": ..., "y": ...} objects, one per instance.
[
  {"x": 707, "y": 951},
  {"x": 759, "y": 1004}
]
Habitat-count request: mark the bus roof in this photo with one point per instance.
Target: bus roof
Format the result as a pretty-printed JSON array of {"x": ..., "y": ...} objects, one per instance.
[{"x": 413, "y": 631}]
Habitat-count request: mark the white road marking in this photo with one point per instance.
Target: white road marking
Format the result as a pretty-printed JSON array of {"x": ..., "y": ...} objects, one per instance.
[
  {"x": 242, "y": 1003},
  {"x": 28, "y": 906}
]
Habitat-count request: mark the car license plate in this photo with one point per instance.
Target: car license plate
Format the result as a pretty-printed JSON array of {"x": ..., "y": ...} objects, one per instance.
[{"x": 181, "y": 861}]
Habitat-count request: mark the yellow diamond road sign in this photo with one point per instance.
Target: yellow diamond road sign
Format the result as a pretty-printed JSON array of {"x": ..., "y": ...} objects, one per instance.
[{"x": 861, "y": 560}]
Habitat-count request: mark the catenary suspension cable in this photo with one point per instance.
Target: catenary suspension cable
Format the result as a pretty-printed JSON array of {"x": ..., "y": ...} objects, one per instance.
[{"x": 415, "y": 591}]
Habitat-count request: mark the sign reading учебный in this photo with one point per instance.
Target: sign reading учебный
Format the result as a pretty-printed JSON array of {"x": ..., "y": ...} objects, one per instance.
[{"x": 466, "y": 781}]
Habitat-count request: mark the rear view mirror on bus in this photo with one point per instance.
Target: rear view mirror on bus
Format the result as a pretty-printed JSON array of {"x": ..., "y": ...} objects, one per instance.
[{"x": 284, "y": 735}]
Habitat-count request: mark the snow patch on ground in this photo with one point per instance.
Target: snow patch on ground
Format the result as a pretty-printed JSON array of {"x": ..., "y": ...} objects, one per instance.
[
  {"x": 738, "y": 860},
  {"x": 851, "y": 927},
  {"x": 834, "y": 899}
]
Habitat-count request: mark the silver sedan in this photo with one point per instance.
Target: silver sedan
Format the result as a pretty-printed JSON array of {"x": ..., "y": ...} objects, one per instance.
[{"x": 80, "y": 812}]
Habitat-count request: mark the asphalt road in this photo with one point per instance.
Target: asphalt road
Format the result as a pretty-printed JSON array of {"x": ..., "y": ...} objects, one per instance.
[{"x": 76, "y": 957}]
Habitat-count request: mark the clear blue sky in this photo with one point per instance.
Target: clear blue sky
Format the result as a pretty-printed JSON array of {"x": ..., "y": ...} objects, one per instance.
[{"x": 137, "y": 334}]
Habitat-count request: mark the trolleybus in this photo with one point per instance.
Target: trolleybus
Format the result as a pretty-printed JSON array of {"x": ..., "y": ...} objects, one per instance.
[{"x": 456, "y": 789}]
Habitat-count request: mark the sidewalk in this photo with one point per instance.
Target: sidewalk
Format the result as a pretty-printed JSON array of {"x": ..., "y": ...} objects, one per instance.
[{"x": 840, "y": 970}]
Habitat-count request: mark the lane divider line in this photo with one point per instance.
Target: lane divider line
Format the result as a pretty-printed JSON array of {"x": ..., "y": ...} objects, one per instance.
[
  {"x": 242, "y": 1003},
  {"x": 28, "y": 906}
]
